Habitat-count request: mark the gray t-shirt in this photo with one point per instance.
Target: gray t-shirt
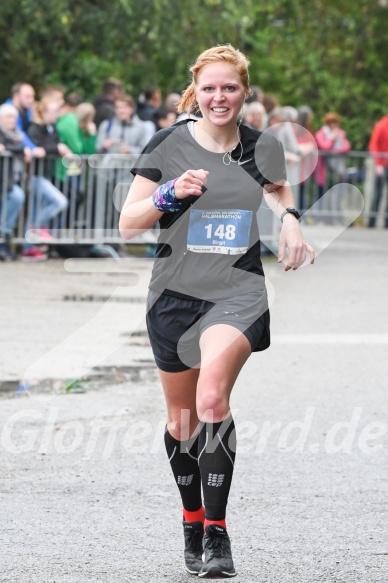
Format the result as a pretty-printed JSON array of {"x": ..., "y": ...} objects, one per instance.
[{"x": 210, "y": 249}]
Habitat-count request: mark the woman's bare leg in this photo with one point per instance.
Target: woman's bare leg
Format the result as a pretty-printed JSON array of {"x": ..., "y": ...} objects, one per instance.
[
  {"x": 224, "y": 350},
  {"x": 180, "y": 395}
]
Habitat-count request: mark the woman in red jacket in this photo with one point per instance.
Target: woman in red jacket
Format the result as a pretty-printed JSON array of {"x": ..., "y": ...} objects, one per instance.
[{"x": 379, "y": 145}]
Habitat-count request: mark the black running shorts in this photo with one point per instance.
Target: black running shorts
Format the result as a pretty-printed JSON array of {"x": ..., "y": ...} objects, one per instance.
[{"x": 172, "y": 320}]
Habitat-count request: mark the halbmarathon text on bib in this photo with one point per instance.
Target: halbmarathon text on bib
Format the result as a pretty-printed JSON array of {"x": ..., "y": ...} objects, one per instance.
[{"x": 219, "y": 231}]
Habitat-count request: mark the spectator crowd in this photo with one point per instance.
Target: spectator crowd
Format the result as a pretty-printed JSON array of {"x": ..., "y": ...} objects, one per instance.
[{"x": 50, "y": 134}]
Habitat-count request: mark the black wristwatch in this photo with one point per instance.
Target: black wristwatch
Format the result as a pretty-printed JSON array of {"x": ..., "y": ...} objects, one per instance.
[{"x": 292, "y": 211}]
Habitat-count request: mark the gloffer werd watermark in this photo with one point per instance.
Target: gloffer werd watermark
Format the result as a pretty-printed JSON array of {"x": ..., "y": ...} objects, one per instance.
[{"x": 99, "y": 437}]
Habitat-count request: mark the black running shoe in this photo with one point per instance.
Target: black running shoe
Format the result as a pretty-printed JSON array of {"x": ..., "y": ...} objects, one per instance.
[
  {"x": 217, "y": 553},
  {"x": 193, "y": 532}
]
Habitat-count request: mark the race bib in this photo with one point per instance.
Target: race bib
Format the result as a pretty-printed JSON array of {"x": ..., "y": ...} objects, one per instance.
[{"x": 219, "y": 231}]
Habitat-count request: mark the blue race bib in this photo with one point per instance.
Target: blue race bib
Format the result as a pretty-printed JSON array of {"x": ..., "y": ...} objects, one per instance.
[{"x": 219, "y": 231}]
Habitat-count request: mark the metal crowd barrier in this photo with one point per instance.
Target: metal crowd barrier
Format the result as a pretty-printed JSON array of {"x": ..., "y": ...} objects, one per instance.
[
  {"x": 327, "y": 204},
  {"x": 96, "y": 187}
]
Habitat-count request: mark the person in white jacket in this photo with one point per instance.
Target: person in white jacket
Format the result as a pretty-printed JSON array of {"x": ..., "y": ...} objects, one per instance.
[{"x": 126, "y": 133}]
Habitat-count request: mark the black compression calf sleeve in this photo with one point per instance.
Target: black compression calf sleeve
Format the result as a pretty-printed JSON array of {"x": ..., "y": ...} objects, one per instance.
[
  {"x": 217, "y": 452},
  {"x": 183, "y": 457}
]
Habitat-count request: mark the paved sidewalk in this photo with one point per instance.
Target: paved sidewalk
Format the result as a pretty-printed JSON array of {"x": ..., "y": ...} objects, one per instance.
[{"x": 86, "y": 492}]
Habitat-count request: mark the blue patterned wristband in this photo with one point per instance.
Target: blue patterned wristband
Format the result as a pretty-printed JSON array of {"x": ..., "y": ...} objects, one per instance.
[{"x": 164, "y": 198}]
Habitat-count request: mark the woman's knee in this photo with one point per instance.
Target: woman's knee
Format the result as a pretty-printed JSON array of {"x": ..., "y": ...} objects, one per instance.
[
  {"x": 60, "y": 199},
  {"x": 63, "y": 202},
  {"x": 17, "y": 195},
  {"x": 212, "y": 403},
  {"x": 182, "y": 423},
  {"x": 51, "y": 193}
]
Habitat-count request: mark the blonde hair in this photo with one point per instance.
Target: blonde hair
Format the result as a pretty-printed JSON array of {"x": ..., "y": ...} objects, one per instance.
[
  {"x": 256, "y": 107},
  {"x": 84, "y": 110},
  {"x": 220, "y": 53},
  {"x": 41, "y": 106}
]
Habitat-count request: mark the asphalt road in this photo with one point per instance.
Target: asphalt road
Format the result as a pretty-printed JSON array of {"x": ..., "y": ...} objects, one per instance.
[{"x": 86, "y": 492}]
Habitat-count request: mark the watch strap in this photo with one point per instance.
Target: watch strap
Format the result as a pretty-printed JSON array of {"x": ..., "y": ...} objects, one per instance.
[{"x": 292, "y": 211}]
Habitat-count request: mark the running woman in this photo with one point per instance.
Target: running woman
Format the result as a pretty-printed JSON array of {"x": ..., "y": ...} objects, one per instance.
[{"x": 207, "y": 308}]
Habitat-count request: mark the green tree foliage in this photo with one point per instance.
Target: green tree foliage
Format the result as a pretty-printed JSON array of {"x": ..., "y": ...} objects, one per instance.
[{"x": 329, "y": 54}]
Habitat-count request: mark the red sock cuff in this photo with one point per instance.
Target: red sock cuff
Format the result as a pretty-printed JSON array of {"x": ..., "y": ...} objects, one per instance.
[{"x": 194, "y": 516}]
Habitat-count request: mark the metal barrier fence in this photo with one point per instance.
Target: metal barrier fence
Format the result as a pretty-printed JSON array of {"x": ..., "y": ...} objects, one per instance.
[
  {"x": 327, "y": 204},
  {"x": 94, "y": 189}
]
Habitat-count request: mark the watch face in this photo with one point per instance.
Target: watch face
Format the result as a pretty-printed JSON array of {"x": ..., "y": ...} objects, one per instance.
[{"x": 294, "y": 212}]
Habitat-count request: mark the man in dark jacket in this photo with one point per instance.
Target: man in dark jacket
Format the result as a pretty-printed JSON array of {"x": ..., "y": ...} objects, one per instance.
[
  {"x": 104, "y": 102},
  {"x": 149, "y": 104}
]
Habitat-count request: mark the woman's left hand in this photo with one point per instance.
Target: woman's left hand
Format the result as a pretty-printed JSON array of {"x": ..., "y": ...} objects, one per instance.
[
  {"x": 92, "y": 128},
  {"x": 291, "y": 238}
]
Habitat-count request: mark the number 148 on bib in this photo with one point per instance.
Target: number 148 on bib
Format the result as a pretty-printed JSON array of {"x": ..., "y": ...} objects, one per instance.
[{"x": 219, "y": 231}]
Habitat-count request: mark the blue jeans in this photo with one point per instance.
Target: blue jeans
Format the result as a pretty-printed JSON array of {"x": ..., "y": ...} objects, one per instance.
[
  {"x": 14, "y": 201},
  {"x": 47, "y": 203},
  {"x": 377, "y": 196}
]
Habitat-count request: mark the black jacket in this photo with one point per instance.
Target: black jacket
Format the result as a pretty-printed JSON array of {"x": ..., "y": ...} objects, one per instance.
[
  {"x": 46, "y": 137},
  {"x": 105, "y": 108},
  {"x": 7, "y": 164}
]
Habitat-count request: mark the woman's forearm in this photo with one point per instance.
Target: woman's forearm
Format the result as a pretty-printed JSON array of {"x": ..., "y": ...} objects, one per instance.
[
  {"x": 279, "y": 198},
  {"x": 138, "y": 217}
]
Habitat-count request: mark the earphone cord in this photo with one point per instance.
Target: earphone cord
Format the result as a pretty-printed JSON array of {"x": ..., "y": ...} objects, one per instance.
[{"x": 229, "y": 153}]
